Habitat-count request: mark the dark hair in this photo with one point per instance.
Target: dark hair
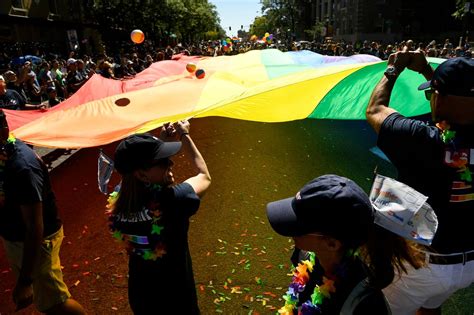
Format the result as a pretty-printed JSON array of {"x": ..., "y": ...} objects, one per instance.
[
  {"x": 130, "y": 199},
  {"x": 385, "y": 252}
]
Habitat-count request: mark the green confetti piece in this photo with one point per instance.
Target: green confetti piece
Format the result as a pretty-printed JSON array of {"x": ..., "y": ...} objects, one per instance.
[
  {"x": 156, "y": 229},
  {"x": 219, "y": 310},
  {"x": 246, "y": 289},
  {"x": 214, "y": 291},
  {"x": 233, "y": 270},
  {"x": 281, "y": 266}
]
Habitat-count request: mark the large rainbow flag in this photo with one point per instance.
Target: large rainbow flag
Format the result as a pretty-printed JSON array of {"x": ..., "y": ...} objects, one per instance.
[{"x": 262, "y": 85}]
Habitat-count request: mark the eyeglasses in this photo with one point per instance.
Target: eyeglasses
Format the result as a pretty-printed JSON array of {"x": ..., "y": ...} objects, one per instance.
[
  {"x": 428, "y": 94},
  {"x": 162, "y": 162}
]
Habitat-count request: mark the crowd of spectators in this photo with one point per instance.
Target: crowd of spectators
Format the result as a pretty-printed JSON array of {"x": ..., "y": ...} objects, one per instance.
[{"x": 44, "y": 79}]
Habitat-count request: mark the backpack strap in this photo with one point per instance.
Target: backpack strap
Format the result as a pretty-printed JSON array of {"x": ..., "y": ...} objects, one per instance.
[{"x": 361, "y": 291}]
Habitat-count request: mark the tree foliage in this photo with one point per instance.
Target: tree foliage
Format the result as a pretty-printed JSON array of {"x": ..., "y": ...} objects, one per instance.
[
  {"x": 463, "y": 7},
  {"x": 281, "y": 17},
  {"x": 186, "y": 20}
]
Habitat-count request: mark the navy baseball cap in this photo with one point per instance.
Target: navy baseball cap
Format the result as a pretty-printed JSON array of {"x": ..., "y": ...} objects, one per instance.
[
  {"x": 330, "y": 204},
  {"x": 453, "y": 77},
  {"x": 139, "y": 151}
]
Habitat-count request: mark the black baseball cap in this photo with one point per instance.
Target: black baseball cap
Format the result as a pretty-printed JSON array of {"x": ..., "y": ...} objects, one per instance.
[
  {"x": 455, "y": 76},
  {"x": 139, "y": 151},
  {"x": 330, "y": 204}
]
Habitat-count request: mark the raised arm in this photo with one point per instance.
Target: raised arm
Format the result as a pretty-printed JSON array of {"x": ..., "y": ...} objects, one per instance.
[
  {"x": 377, "y": 109},
  {"x": 202, "y": 180}
]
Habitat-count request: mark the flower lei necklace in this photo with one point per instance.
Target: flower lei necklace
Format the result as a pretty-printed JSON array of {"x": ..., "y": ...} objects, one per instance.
[
  {"x": 459, "y": 159},
  {"x": 159, "y": 250},
  {"x": 300, "y": 279}
]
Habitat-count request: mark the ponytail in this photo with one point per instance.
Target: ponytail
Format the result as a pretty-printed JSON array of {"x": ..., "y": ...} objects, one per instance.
[{"x": 130, "y": 198}]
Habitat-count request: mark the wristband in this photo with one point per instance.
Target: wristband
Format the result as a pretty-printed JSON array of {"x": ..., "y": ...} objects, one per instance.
[{"x": 183, "y": 134}]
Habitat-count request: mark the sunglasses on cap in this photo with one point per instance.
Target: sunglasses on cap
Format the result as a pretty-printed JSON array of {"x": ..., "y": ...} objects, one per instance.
[
  {"x": 162, "y": 162},
  {"x": 429, "y": 93}
]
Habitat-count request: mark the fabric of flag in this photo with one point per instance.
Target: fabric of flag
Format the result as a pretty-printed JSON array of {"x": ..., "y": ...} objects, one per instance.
[{"x": 261, "y": 85}]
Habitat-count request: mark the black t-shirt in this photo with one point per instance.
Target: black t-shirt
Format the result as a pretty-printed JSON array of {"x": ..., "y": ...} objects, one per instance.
[
  {"x": 160, "y": 266},
  {"x": 73, "y": 78},
  {"x": 12, "y": 100},
  {"x": 352, "y": 272},
  {"x": 419, "y": 154},
  {"x": 25, "y": 181}
]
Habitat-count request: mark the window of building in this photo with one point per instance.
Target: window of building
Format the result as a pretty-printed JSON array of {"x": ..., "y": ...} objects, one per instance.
[
  {"x": 19, "y": 9},
  {"x": 53, "y": 9}
]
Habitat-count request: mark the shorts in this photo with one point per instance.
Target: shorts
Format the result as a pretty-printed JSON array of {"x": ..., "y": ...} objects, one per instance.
[
  {"x": 427, "y": 287},
  {"x": 49, "y": 288}
]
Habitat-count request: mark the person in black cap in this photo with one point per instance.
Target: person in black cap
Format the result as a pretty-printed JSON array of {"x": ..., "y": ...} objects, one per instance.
[
  {"x": 332, "y": 217},
  {"x": 437, "y": 160},
  {"x": 150, "y": 214},
  {"x": 31, "y": 229}
]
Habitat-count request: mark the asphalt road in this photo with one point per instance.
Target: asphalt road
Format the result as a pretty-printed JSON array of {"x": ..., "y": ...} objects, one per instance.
[{"x": 240, "y": 264}]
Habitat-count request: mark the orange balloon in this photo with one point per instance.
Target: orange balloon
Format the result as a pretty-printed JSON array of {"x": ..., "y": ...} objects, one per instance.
[
  {"x": 137, "y": 36},
  {"x": 191, "y": 67}
]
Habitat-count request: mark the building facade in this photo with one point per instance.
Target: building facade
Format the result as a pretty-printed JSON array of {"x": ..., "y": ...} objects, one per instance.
[
  {"x": 386, "y": 20},
  {"x": 55, "y": 23}
]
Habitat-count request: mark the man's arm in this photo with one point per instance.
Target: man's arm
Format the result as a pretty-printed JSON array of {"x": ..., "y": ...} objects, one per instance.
[
  {"x": 33, "y": 218},
  {"x": 377, "y": 109}
]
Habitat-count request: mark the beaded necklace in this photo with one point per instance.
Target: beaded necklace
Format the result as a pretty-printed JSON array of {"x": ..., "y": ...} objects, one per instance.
[
  {"x": 156, "y": 228},
  {"x": 453, "y": 157},
  {"x": 299, "y": 282}
]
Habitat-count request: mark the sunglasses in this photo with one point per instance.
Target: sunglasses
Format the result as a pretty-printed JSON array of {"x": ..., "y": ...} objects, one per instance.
[
  {"x": 162, "y": 162},
  {"x": 428, "y": 94}
]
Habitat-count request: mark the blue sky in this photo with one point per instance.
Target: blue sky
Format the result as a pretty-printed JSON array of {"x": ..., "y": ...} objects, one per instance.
[{"x": 235, "y": 13}]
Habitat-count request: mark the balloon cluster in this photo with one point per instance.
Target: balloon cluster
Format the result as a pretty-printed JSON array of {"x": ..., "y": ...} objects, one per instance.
[
  {"x": 227, "y": 44},
  {"x": 268, "y": 38},
  {"x": 192, "y": 68}
]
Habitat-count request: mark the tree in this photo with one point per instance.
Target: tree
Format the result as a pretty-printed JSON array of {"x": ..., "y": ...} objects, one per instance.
[
  {"x": 463, "y": 8},
  {"x": 315, "y": 31},
  {"x": 260, "y": 26},
  {"x": 187, "y": 20}
]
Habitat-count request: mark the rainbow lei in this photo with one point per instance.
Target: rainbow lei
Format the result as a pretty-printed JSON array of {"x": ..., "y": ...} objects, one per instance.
[
  {"x": 160, "y": 248},
  {"x": 299, "y": 281},
  {"x": 448, "y": 136}
]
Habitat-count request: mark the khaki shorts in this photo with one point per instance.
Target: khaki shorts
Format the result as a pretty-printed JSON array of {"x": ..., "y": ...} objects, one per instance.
[{"x": 49, "y": 288}]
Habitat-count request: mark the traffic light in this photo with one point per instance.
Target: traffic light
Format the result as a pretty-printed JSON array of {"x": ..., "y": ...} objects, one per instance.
[
  {"x": 230, "y": 28},
  {"x": 241, "y": 27}
]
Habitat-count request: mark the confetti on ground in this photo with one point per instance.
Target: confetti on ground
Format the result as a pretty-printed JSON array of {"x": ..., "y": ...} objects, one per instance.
[
  {"x": 77, "y": 283},
  {"x": 114, "y": 308}
]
